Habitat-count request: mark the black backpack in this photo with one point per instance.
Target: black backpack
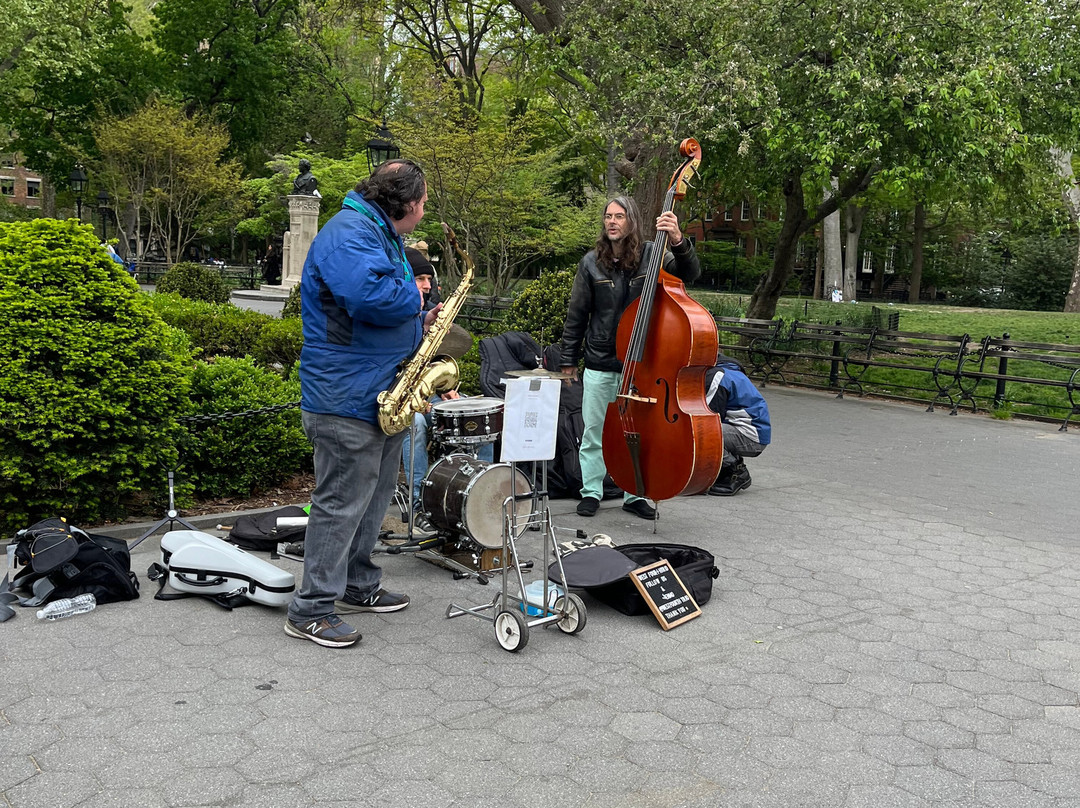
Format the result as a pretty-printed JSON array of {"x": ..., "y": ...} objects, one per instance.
[
  {"x": 261, "y": 532},
  {"x": 58, "y": 560}
]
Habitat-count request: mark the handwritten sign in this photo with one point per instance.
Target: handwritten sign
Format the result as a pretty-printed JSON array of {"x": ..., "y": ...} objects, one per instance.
[{"x": 665, "y": 594}]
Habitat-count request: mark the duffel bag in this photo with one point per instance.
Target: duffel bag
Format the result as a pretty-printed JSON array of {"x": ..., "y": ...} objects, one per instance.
[{"x": 695, "y": 567}]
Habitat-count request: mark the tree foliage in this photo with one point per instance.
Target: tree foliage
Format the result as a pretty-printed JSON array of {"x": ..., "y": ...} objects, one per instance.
[{"x": 169, "y": 169}]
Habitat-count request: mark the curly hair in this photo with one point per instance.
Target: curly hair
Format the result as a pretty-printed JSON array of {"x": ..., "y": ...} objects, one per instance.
[
  {"x": 394, "y": 186},
  {"x": 631, "y": 249}
]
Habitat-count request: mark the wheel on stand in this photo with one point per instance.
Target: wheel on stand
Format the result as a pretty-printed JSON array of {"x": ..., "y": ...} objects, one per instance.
[
  {"x": 511, "y": 630},
  {"x": 573, "y": 609}
]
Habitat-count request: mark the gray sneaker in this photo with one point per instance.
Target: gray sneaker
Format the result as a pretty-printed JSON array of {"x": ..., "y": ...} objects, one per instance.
[
  {"x": 422, "y": 528},
  {"x": 331, "y": 631},
  {"x": 381, "y": 601}
]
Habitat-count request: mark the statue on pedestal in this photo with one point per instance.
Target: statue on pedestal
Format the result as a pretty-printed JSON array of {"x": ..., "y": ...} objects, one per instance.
[{"x": 306, "y": 184}]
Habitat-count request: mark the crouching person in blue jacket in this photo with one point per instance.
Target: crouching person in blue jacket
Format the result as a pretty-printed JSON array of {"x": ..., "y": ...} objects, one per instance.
[{"x": 745, "y": 417}]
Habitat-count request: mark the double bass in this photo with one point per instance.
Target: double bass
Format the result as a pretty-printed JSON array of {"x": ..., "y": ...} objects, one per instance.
[{"x": 660, "y": 437}]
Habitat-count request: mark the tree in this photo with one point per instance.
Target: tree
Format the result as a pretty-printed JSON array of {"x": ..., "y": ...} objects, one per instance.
[
  {"x": 242, "y": 63},
  {"x": 52, "y": 103},
  {"x": 495, "y": 181},
  {"x": 57, "y": 35},
  {"x": 1071, "y": 199},
  {"x": 793, "y": 94},
  {"x": 464, "y": 39},
  {"x": 169, "y": 169}
]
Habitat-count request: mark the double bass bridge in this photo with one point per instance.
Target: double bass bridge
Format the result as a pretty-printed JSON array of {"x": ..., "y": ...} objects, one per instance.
[{"x": 636, "y": 397}]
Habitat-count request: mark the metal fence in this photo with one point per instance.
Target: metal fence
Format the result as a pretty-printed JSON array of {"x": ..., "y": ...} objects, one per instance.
[{"x": 237, "y": 276}]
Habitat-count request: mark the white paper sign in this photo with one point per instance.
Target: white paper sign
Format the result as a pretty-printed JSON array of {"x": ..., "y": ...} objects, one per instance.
[{"x": 530, "y": 419}]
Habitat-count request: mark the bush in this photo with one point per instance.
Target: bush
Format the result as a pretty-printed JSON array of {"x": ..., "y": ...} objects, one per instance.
[
  {"x": 195, "y": 282},
  {"x": 280, "y": 343},
  {"x": 541, "y": 308},
  {"x": 240, "y": 455},
  {"x": 90, "y": 378},
  {"x": 216, "y": 329},
  {"x": 469, "y": 371},
  {"x": 291, "y": 309}
]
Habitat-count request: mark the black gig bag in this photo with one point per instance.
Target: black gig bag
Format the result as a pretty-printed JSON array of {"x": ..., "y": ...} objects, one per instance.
[
  {"x": 695, "y": 567},
  {"x": 261, "y": 533},
  {"x": 59, "y": 560}
]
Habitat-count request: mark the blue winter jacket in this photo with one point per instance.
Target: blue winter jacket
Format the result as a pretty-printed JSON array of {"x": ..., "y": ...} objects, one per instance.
[
  {"x": 361, "y": 312},
  {"x": 740, "y": 404}
]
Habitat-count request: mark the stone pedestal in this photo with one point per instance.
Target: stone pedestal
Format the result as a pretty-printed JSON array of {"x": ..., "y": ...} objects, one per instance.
[{"x": 303, "y": 225}]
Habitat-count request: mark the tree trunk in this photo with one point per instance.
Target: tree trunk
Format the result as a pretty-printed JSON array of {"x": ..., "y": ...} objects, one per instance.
[
  {"x": 878, "y": 286},
  {"x": 830, "y": 233},
  {"x": 1071, "y": 197},
  {"x": 854, "y": 215},
  {"x": 918, "y": 241},
  {"x": 819, "y": 267},
  {"x": 611, "y": 176},
  {"x": 763, "y": 302}
]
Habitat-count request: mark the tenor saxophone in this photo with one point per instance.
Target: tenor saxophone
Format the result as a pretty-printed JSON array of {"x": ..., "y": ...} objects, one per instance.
[{"x": 425, "y": 374}]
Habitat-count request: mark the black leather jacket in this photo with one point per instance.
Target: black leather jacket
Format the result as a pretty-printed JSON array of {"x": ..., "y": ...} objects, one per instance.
[{"x": 598, "y": 300}]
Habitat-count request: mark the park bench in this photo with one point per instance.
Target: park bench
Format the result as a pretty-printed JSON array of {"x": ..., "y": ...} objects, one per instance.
[
  {"x": 815, "y": 342},
  {"x": 749, "y": 339},
  {"x": 1004, "y": 360},
  {"x": 939, "y": 355}
]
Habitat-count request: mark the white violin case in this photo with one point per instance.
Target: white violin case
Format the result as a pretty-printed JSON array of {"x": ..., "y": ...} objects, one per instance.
[{"x": 196, "y": 563}]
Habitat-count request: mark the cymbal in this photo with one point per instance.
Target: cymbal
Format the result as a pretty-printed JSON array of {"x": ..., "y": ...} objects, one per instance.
[{"x": 542, "y": 373}]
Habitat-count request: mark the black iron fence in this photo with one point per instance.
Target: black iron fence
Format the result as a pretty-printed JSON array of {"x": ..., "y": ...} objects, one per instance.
[{"x": 236, "y": 276}]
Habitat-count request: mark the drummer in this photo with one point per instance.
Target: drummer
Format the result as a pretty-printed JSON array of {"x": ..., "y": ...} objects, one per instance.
[{"x": 423, "y": 272}]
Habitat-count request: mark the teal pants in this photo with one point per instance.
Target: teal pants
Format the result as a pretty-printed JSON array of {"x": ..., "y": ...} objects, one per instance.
[{"x": 600, "y": 389}]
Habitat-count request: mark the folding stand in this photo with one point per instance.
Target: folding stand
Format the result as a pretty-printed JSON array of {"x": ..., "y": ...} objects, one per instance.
[
  {"x": 171, "y": 515},
  {"x": 511, "y": 625}
]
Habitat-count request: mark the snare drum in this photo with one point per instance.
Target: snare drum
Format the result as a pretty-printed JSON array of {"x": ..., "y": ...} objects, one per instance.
[
  {"x": 467, "y": 420},
  {"x": 466, "y": 495}
]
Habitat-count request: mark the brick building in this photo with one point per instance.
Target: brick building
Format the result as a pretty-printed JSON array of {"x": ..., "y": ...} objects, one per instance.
[{"x": 18, "y": 184}]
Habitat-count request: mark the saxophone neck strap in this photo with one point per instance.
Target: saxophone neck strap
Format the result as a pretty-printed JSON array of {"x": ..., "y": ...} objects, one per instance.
[{"x": 366, "y": 211}]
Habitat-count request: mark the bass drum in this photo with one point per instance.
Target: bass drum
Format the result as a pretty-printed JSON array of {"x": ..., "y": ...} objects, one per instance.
[{"x": 465, "y": 495}]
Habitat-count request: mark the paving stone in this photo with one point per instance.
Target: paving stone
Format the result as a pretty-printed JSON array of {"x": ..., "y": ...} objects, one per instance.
[{"x": 872, "y": 641}]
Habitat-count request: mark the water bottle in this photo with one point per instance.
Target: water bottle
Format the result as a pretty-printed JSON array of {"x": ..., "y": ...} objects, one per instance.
[{"x": 66, "y": 607}]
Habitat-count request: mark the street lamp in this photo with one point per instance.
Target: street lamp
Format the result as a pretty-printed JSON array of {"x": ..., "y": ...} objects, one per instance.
[
  {"x": 381, "y": 147},
  {"x": 78, "y": 180},
  {"x": 103, "y": 209}
]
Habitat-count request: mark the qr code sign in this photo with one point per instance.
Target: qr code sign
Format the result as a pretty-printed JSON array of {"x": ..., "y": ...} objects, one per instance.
[{"x": 531, "y": 419}]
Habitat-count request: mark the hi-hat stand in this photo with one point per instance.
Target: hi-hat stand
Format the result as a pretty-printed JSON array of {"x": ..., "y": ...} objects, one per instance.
[{"x": 171, "y": 515}]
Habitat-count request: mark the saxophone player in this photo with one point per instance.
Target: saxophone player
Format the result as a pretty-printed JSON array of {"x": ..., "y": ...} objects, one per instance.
[{"x": 362, "y": 316}]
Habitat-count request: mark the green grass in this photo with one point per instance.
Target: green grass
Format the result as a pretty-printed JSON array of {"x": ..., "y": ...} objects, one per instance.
[{"x": 1024, "y": 326}]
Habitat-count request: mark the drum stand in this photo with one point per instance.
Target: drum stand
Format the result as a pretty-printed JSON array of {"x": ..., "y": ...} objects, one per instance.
[{"x": 509, "y": 618}]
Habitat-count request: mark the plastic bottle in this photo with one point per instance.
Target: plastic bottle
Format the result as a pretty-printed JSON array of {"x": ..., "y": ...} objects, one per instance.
[
  {"x": 66, "y": 607},
  {"x": 534, "y": 597}
]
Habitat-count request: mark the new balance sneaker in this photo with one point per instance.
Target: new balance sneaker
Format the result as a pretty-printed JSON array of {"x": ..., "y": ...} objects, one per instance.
[
  {"x": 331, "y": 631},
  {"x": 381, "y": 601}
]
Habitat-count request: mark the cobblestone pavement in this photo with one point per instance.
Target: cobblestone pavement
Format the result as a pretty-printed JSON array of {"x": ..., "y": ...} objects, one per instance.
[{"x": 896, "y": 624}]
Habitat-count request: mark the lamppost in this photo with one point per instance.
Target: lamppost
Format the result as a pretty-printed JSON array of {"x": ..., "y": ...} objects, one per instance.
[
  {"x": 78, "y": 180},
  {"x": 104, "y": 210},
  {"x": 381, "y": 147}
]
